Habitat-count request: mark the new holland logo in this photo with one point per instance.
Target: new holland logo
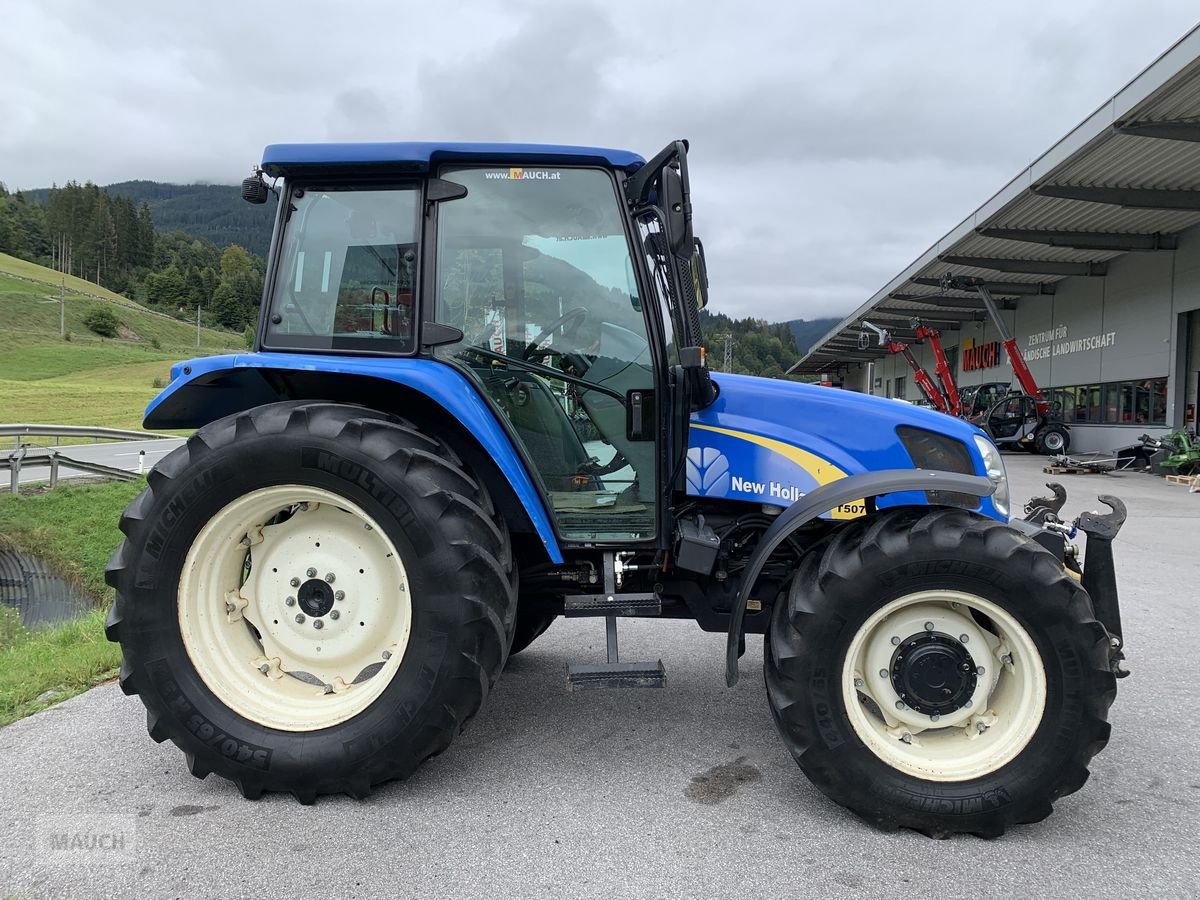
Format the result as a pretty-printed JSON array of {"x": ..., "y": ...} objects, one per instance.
[{"x": 707, "y": 471}]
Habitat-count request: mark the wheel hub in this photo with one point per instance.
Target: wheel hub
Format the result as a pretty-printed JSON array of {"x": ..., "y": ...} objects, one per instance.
[
  {"x": 315, "y": 597},
  {"x": 934, "y": 674}
]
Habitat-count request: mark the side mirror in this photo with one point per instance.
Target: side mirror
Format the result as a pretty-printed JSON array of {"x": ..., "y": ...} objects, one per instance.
[
  {"x": 254, "y": 189},
  {"x": 700, "y": 274},
  {"x": 677, "y": 207}
]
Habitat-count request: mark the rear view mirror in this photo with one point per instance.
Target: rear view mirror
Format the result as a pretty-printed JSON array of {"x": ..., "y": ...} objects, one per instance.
[
  {"x": 700, "y": 273},
  {"x": 677, "y": 208}
]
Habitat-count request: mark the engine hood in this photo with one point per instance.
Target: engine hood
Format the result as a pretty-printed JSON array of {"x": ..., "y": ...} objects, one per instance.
[{"x": 771, "y": 441}]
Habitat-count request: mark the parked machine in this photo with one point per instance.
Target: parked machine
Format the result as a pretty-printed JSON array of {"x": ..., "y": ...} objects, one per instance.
[
  {"x": 1021, "y": 418},
  {"x": 388, "y": 497},
  {"x": 1177, "y": 452},
  {"x": 920, "y": 376}
]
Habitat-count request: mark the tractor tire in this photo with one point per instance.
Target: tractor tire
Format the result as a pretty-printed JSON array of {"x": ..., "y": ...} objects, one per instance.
[
  {"x": 532, "y": 622},
  {"x": 1005, "y": 697},
  {"x": 1052, "y": 440},
  {"x": 296, "y": 528}
]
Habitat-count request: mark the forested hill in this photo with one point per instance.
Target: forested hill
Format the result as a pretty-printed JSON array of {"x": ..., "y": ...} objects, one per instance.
[
  {"x": 210, "y": 212},
  {"x": 808, "y": 331}
]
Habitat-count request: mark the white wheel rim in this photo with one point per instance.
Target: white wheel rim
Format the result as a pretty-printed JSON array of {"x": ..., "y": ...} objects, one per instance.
[
  {"x": 1054, "y": 441},
  {"x": 293, "y": 674},
  {"x": 1005, "y": 707}
]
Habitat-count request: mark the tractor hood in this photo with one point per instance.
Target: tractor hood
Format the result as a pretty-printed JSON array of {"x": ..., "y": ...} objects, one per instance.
[{"x": 771, "y": 441}]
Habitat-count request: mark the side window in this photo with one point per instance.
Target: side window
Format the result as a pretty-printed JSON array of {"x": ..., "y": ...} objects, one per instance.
[
  {"x": 533, "y": 265},
  {"x": 347, "y": 269}
]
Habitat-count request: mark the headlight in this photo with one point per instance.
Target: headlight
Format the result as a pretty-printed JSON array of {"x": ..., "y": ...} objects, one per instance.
[{"x": 994, "y": 464}]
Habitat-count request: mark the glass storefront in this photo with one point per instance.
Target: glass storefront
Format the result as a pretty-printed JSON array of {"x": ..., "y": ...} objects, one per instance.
[{"x": 1140, "y": 402}]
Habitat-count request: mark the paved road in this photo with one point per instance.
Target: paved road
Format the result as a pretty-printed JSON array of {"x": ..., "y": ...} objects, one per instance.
[
  {"x": 119, "y": 454},
  {"x": 681, "y": 792}
]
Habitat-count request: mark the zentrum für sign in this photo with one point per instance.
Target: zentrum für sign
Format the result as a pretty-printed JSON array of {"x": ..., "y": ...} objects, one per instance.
[{"x": 1044, "y": 344}]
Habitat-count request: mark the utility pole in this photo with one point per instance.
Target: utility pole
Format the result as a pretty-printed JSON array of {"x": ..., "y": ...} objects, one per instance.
[
  {"x": 197, "y": 326},
  {"x": 62, "y": 307},
  {"x": 728, "y": 362}
]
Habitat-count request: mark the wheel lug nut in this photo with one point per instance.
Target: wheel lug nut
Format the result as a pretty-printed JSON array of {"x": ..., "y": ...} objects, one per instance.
[
  {"x": 906, "y": 738},
  {"x": 969, "y": 704},
  {"x": 899, "y": 704},
  {"x": 981, "y": 671},
  {"x": 935, "y": 718},
  {"x": 295, "y": 582},
  {"x": 312, "y": 573},
  {"x": 883, "y": 673},
  {"x": 300, "y": 618},
  {"x": 264, "y": 668},
  {"x": 339, "y": 595},
  {"x": 290, "y": 601},
  {"x": 387, "y": 654},
  {"x": 334, "y": 614},
  {"x": 895, "y": 642},
  {"x": 929, "y": 626},
  {"x": 318, "y": 624},
  {"x": 329, "y": 576},
  {"x": 229, "y": 607},
  {"x": 963, "y": 638},
  {"x": 858, "y": 682}
]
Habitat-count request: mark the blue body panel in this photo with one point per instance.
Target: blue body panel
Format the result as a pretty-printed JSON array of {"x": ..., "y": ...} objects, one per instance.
[
  {"x": 436, "y": 380},
  {"x": 282, "y": 159},
  {"x": 771, "y": 441}
]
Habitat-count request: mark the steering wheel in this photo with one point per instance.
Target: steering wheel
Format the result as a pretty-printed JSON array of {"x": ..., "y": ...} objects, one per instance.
[{"x": 572, "y": 318}]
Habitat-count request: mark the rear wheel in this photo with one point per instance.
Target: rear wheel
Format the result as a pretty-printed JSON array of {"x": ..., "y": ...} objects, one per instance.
[
  {"x": 311, "y": 598},
  {"x": 938, "y": 671}
]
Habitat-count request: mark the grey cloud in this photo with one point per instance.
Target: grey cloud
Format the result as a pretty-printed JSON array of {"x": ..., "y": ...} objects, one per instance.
[{"x": 830, "y": 145}]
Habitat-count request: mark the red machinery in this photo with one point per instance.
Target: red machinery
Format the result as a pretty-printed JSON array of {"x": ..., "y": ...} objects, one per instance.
[
  {"x": 941, "y": 366},
  {"x": 920, "y": 376}
]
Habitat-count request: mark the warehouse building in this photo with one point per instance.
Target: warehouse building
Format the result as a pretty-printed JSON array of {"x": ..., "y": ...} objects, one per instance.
[{"x": 1093, "y": 257}]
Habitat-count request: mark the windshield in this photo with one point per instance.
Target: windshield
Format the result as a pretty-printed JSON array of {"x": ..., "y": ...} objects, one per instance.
[{"x": 346, "y": 270}]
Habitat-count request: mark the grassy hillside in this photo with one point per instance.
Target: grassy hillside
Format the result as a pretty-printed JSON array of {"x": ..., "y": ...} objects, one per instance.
[{"x": 86, "y": 380}]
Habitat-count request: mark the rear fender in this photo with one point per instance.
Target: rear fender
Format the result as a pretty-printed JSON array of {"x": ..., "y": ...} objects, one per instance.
[
  {"x": 823, "y": 499},
  {"x": 206, "y": 389}
]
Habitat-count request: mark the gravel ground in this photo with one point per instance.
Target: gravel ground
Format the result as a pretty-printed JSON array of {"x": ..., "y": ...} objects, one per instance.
[{"x": 681, "y": 792}]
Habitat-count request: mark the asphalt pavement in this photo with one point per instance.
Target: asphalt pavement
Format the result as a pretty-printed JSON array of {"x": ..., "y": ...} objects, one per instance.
[
  {"x": 118, "y": 454},
  {"x": 685, "y": 791}
]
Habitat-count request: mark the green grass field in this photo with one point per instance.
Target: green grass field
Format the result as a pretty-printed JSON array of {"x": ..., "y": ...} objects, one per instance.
[
  {"x": 86, "y": 380},
  {"x": 74, "y": 530}
]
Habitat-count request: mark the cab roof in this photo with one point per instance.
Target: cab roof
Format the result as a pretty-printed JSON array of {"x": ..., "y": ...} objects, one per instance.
[{"x": 420, "y": 156}]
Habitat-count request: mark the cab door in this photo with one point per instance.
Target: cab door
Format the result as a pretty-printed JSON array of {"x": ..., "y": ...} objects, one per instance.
[{"x": 534, "y": 266}]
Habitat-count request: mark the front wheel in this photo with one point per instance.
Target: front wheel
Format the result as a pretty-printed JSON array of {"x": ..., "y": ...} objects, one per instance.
[
  {"x": 1052, "y": 440},
  {"x": 939, "y": 671},
  {"x": 311, "y": 598}
]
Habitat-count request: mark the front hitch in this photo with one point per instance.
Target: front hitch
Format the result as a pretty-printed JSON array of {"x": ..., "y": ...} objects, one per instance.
[{"x": 1100, "y": 574}]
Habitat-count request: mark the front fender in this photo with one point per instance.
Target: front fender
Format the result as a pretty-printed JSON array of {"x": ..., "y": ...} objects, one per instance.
[
  {"x": 823, "y": 499},
  {"x": 202, "y": 390}
]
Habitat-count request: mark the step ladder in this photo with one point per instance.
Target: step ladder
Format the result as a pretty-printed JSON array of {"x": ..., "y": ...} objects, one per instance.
[{"x": 611, "y": 605}]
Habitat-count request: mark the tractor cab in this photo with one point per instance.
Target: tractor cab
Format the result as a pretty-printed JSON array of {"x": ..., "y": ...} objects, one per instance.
[{"x": 532, "y": 280}]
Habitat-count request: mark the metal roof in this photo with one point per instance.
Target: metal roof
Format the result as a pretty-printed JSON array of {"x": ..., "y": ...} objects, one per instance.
[
  {"x": 1126, "y": 179},
  {"x": 282, "y": 159}
]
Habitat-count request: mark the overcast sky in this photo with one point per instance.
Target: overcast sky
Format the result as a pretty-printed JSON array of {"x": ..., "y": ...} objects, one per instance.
[{"x": 832, "y": 143}]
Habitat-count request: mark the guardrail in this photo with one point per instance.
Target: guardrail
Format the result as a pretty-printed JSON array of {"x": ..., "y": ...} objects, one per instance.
[
  {"x": 54, "y": 458},
  {"x": 78, "y": 431}
]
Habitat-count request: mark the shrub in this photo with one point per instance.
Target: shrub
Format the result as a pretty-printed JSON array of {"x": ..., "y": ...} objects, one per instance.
[
  {"x": 248, "y": 336},
  {"x": 102, "y": 321}
]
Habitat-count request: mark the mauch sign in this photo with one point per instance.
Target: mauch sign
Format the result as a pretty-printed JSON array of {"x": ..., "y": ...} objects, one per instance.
[{"x": 980, "y": 356}]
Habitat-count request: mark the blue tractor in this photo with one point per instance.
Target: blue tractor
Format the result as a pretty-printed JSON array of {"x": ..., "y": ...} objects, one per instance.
[{"x": 478, "y": 401}]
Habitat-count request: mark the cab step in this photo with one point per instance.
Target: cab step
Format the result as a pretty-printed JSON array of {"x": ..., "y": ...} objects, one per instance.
[
  {"x": 614, "y": 673},
  {"x": 612, "y": 605}
]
